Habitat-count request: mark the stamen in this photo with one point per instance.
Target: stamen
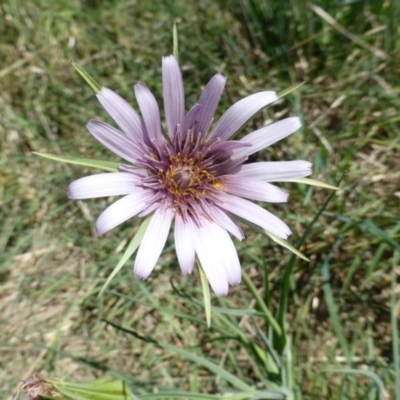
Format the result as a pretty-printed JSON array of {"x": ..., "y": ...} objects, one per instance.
[{"x": 185, "y": 179}]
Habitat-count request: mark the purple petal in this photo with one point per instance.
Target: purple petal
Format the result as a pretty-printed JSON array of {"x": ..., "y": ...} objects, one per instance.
[
  {"x": 174, "y": 97},
  {"x": 226, "y": 222},
  {"x": 150, "y": 112},
  {"x": 184, "y": 245},
  {"x": 121, "y": 112},
  {"x": 254, "y": 189},
  {"x": 218, "y": 257},
  {"x": 274, "y": 171},
  {"x": 237, "y": 115},
  {"x": 268, "y": 135},
  {"x": 209, "y": 100},
  {"x": 153, "y": 242},
  {"x": 255, "y": 214},
  {"x": 114, "y": 140},
  {"x": 191, "y": 118},
  {"x": 122, "y": 210},
  {"x": 223, "y": 148},
  {"x": 102, "y": 185}
]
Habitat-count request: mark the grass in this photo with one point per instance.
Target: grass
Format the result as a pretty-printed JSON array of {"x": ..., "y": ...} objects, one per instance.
[{"x": 343, "y": 305}]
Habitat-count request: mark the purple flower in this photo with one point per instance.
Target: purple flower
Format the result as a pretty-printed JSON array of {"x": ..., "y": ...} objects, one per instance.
[{"x": 191, "y": 174}]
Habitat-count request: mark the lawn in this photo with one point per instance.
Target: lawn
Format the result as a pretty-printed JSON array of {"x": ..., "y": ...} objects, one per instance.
[{"x": 342, "y": 313}]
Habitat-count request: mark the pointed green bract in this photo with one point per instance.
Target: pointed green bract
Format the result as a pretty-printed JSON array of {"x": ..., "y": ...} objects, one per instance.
[
  {"x": 286, "y": 245},
  {"x": 133, "y": 245},
  {"x": 289, "y": 90},
  {"x": 175, "y": 42},
  {"x": 311, "y": 182},
  {"x": 87, "y": 77},
  {"x": 206, "y": 294},
  {"x": 85, "y": 162}
]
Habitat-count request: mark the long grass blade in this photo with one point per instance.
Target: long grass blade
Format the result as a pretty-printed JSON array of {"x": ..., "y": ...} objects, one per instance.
[
  {"x": 394, "y": 306},
  {"x": 199, "y": 360},
  {"x": 284, "y": 294},
  {"x": 330, "y": 302},
  {"x": 369, "y": 374},
  {"x": 260, "y": 302}
]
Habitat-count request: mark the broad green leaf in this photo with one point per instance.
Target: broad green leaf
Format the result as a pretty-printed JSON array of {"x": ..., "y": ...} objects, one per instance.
[
  {"x": 272, "y": 395},
  {"x": 87, "y": 77},
  {"x": 101, "y": 389},
  {"x": 175, "y": 51},
  {"x": 191, "y": 395},
  {"x": 311, "y": 182},
  {"x": 81, "y": 394},
  {"x": 286, "y": 245},
  {"x": 109, "y": 386},
  {"x": 85, "y": 162},
  {"x": 206, "y": 294},
  {"x": 289, "y": 90},
  {"x": 262, "y": 395},
  {"x": 133, "y": 245}
]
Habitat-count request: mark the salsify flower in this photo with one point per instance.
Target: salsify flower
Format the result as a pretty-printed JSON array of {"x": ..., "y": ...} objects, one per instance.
[{"x": 190, "y": 175}]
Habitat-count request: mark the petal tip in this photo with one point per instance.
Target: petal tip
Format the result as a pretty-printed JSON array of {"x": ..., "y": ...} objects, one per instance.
[
  {"x": 220, "y": 292},
  {"x": 141, "y": 273}
]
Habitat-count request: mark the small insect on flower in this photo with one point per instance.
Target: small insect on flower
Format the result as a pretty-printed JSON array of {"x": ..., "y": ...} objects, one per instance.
[{"x": 191, "y": 174}]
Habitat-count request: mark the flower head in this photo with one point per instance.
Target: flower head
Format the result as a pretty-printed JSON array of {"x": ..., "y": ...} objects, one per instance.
[{"x": 190, "y": 174}]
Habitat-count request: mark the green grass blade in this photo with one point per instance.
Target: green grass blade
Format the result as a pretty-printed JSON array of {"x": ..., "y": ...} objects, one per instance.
[
  {"x": 260, "y": 302},
  {"x": 214, "y": 368},
  {"x": 284, "y": 294},
  {"x": 199, "y": 360},
  {"x": 394, "y": 321},
  {"x": 84, "y": 162},
  {"x": 133, "y": 245},
  {"x": 369, "y": 226},
  {"x": 87, "y": 77},
  {"x": 369, "y": 374},
  {"x": 330, "y": 302}
]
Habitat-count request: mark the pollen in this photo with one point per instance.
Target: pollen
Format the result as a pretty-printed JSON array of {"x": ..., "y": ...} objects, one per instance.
[{"x": 218, "y": 185}]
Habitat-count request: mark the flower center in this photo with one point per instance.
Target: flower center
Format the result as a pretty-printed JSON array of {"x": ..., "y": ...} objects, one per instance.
[{"x": 185, "y": 178}]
